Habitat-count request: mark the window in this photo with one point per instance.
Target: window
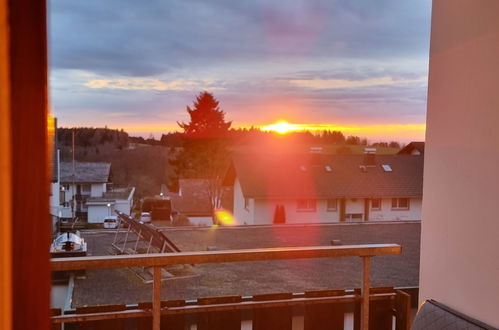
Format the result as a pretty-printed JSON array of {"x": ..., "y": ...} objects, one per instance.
[
  {"x": 85, "y": 189},
  {"x": 400, "y": 203},
  {"x": 246, "y": 204},
  {"x": 376, "y": 204},
  {"x": 306, "y": 205},
  {"x": 386, "y": 168},
  {"x": 331, "y": 204},
  {"x": 62, "y": 197}
]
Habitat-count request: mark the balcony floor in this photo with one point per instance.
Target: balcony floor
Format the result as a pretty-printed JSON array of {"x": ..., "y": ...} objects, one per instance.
[{"x": 113, "y": 286}]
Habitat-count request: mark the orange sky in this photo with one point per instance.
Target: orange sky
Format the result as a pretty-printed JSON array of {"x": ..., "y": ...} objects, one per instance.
[{"x": 377, "y": 132}]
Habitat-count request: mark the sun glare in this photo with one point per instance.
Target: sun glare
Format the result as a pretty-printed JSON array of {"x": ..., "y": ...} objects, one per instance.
[
  {"x": 225, "y": 217},
  {"x": 281, "y": 127}
]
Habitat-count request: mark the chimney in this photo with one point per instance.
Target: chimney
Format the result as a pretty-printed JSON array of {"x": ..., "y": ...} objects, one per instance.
[{"x": 369, "y": 157}]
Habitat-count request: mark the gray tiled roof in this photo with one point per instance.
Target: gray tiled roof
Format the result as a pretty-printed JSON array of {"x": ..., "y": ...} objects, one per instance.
[
  {"x": 304, "y": 176},
  {"x": 115, "y": 194},
  {"x": 85, "y": 172}
]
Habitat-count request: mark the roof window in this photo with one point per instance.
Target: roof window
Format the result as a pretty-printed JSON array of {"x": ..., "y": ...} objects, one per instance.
[{"x": 386, "y": 168}]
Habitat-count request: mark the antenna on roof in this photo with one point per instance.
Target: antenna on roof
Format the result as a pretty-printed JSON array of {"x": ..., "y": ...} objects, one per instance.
[{"x": 73, "y": 188}]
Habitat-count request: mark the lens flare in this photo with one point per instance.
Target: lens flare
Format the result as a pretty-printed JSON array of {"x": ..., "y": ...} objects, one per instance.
[{"x": 224, "y": 217}]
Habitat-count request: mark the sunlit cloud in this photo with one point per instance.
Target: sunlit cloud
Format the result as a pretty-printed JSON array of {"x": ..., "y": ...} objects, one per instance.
[
  {"x": 153, "y": 84},
  {"x": 345, "y": 83}
]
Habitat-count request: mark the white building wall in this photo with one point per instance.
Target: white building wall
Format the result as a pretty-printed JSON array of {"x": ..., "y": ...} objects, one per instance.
[
  {"x": 241, "y": 215},
  {"x": 460, "y": 222},
  {"x": 123, "y": 205},
  {"x": 68, "y": 194},
  {"x": 54, "y": 199},
  {"x": 97, "y": 213},
  {"x": 200, "y": 221},
  {"x": 265, "y": 209},
  {"x": 97, "y": 189},
  {"x": 387, "y": 214}
]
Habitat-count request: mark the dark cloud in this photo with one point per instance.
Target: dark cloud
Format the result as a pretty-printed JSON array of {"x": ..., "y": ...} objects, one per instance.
[{"x": 145, "y": 38}]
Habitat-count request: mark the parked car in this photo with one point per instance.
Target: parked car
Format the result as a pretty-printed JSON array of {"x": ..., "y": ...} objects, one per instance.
[
  {"x": 145, "y": 217},
  {"x": 111, "y": 222}
]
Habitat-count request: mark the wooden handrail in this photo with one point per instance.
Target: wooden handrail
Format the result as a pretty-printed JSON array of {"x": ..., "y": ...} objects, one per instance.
[
  {"x": 201, "y": 257},
  {"x": 157, "y": 260}
]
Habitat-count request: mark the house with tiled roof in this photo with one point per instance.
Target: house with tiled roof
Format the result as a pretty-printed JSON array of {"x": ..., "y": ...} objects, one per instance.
[
  {"x": 193, "y": 200},
  {"x": 85, "y": 192},
  {"x": 320, "y": 188}
]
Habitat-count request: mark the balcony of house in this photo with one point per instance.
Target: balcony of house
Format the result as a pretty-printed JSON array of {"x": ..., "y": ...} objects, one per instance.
[
  {"x": 220, "y": 281},
  {"x": 386, "y": 307}
]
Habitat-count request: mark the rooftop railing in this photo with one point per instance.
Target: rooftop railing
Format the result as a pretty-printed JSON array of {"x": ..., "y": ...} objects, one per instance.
[{"x": 156, "y": 261}]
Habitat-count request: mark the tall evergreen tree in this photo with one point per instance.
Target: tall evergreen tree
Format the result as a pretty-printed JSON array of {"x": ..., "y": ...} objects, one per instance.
[
  {"x": 205, "y": 152},
  {"x": 207, "y": 120}
]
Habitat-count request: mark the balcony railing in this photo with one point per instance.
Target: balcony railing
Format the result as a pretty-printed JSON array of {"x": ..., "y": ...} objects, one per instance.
[{"x": 156, "y": 261}]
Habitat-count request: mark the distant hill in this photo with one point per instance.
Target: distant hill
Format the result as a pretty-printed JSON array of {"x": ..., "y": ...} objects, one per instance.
[{"x": 90, "y": 141}]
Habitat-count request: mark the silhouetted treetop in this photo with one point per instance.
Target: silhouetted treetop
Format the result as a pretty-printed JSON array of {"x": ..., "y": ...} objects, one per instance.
[{"x": 207, "y": 120}]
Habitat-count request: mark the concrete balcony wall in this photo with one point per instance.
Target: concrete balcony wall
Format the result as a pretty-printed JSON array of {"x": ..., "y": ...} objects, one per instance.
[{"x": 460, "y": 226}]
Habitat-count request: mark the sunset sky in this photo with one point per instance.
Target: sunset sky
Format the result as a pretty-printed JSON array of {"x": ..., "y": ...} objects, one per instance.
[{"x": 355, "y": 65}]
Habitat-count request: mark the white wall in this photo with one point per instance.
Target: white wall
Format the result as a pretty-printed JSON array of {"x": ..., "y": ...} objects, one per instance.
[
  {"x": 460, "y": 225},
  {"x": 265, "y": 209},
  {"x": 387, "y": 214},
  {"x": 123, "y": 205},
  {"x": 200, "y": 221},
  {"x": 241, "y": 215},
  {"x": 97, "y": 213},
  {"x": 97, "y": 189},
  {"x": 54, "y": 198}
]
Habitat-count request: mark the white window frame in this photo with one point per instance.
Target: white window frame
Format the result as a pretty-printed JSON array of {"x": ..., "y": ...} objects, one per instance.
[
  {"x": 246, "y": 203},
  {"x": 310, "y": 205},
  {"x": 397, "y": 203}
]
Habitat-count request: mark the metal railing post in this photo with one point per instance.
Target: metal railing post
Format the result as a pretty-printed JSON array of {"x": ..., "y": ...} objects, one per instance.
[
  {"x": 117, "y": 231},
  {"x": 126, "y": 239},
  {"x": 156, "y": 299},
  {"x": 364, "y": 312},
  {"x": 137, "y": 242}
]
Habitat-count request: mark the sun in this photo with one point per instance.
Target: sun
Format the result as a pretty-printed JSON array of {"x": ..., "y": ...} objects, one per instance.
[{"x": 281, "y": 127}]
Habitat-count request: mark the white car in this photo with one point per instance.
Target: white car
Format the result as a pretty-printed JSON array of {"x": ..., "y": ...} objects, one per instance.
[
  {"x": 145, "y": 217},
  {"x": 111, "y": 222}
]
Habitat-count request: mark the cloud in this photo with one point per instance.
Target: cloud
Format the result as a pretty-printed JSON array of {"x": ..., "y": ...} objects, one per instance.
[
  {"x": 345, "y": 83},
  {"x": 340, "y": 61},
  {"x": 153, "y": 84},
  {"x": 163, "y": 36}
]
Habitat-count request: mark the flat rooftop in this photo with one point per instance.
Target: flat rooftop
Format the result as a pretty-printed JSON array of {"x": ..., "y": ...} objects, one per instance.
[{"x": 117, "y": 286}]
